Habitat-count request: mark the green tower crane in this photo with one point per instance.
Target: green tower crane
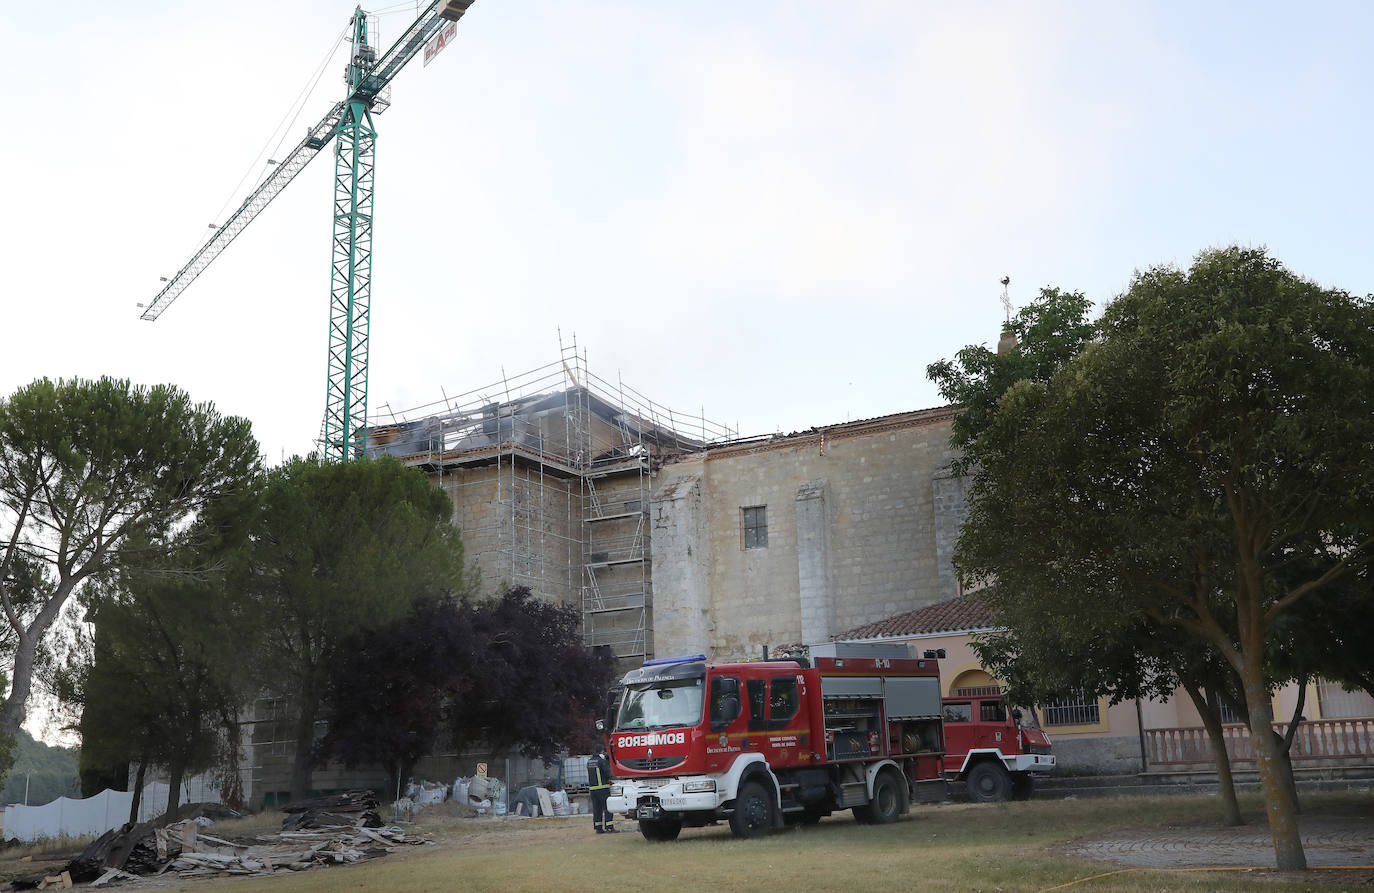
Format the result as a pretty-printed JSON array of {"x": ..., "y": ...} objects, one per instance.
[{"x": 343, "y": 434}]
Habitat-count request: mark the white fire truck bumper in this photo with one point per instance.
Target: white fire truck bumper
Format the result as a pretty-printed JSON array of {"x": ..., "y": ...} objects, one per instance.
[
  {"x": 1029, "y": 762},
  {"x": 693, "y": 793}
]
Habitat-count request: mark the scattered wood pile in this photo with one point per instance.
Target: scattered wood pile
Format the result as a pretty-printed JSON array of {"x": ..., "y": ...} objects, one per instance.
[
  {"x": 61, "y": 881},
  {"x": 327, "y": 831},
  {"x": 351, "y": 808}
]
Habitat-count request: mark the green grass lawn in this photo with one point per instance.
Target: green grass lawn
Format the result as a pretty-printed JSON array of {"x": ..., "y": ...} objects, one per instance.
[{"x": 956, "y": 847}]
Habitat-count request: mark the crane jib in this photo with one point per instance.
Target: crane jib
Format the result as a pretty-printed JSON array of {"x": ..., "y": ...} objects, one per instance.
[{"x": 315, "y": 140}]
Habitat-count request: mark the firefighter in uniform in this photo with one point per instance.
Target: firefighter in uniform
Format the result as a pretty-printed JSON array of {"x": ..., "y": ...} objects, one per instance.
[{"x": 599, "y": 783}]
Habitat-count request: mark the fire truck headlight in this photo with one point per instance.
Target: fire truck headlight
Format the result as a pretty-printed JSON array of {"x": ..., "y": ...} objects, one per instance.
[
  {"x": 699, "y": 786},
  {"x": 616, "y": 790}
]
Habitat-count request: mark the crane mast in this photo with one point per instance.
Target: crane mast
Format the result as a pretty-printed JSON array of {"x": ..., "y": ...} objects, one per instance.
[
  {"x": 344, "y": 431},
  {"x": 343, "y": 434}
]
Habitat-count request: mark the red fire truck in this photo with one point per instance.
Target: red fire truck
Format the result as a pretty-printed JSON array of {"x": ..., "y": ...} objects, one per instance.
[
  {"x": 989, "y": 749},
  {"x": 774, "y": 742}
]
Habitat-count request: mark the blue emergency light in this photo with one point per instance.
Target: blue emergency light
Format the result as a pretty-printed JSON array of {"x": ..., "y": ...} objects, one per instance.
[{"x": 660, "y": 661}]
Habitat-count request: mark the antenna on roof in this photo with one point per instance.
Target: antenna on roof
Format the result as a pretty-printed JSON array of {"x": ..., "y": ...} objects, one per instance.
[{"x": 1006, "y": 298}]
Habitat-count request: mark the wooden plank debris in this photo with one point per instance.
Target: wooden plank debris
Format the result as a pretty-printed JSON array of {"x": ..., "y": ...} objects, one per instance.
[{"x": 183, "y": 848}]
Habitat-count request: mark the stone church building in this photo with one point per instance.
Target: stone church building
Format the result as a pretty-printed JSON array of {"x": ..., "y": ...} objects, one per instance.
[{"x": 673, "y": 535}]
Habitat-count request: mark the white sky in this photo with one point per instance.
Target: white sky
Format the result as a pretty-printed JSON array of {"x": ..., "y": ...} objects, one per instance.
[{"x": 778, "y": 211}]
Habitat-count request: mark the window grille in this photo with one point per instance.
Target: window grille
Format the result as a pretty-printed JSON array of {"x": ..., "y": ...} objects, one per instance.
[
  {"x": 1072, "y": 710},
  {"x": 992, "y": 711},
  {"x": 1337, "y": 703},
  {"x": 1229, "y": 714}
]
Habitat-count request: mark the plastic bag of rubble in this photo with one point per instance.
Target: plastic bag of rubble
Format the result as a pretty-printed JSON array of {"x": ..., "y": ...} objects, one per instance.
[
  {"x": 478, "y": 788},
  {"x": 559, "y": 799},
  {"x": 460, "y": 790},
  {"x": 430, "y": 792}
]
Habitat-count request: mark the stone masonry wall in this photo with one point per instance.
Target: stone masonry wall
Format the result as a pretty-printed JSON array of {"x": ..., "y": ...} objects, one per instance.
[
  {"x": 517, "y": 530},
  {"x": 856, "y": 517},
  {"x": 681, "y": 555},
  {"x": 951, "y": 506}
]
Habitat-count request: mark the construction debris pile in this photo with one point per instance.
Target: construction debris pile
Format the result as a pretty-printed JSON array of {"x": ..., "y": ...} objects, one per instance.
[
  {"x": 485, "y": 796},
  {"x": 351, "y": 808},
  {"x": 324, "y": 831}
]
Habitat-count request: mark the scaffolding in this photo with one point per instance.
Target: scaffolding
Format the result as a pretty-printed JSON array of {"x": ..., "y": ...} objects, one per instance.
[{"x": 551, "y": 473}]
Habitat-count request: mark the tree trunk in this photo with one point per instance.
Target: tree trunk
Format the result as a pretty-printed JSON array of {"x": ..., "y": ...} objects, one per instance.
[
  {"x": 1290, "y": 783},
  {"x": 25, "y": 652},
  {"x": 1285, "y": 744},
  {"x": 175, "y": 771},
  {"x": 1278, "y": 800},
  {"x": 1226, "y": 787},
  {"x": 393, "y": 776},
  {"x": 13, "y": 716},
  {"x": 405, "y": 768},
  {"x": 137, "y": 799},
  {"x": 303, "y": 763}
]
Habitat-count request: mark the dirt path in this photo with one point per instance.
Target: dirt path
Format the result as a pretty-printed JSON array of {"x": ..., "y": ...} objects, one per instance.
[{"x": 1331, "y": 842}]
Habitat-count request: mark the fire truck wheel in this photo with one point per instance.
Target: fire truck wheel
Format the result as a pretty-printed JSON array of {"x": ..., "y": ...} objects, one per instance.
[
  {"x": 1022, "y": 786},
  {"x": 887, "y": 800},
  {"x": 989, "y": 782},
  {"x": 753, "y": 815},
  {"x": 659, "y": 831}
]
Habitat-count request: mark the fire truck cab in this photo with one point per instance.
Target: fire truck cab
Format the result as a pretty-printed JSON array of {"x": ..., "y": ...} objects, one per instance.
[{"x": 990, "y": 750}]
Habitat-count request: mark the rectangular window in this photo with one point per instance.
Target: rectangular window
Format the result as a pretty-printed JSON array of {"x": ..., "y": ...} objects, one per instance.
[
  {"x": 958, "y": 713},
  {"x": 755, "y": 523},
  {"x": 783, "y": 703},
  {"x": 725, "y": 702},
  {"x": 1076, "y": 709},
  {"x": 992, "y": 711},
  {"x": 758, "y": 701}
]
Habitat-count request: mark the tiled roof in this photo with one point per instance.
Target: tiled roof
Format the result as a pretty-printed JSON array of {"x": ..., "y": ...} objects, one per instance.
[{"x": 954, "y": 615}]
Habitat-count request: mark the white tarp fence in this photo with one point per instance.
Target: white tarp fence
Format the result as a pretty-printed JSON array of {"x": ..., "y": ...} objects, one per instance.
[
  {"x": 153, "y": 803},
  {"x": 65, "y": 817}
]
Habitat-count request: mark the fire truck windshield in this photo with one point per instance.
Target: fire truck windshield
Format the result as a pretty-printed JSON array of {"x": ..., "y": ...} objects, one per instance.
[{"x": 659, "y": 705}]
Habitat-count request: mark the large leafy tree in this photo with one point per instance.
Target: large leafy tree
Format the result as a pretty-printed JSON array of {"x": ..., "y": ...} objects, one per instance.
[
  {"x": 91, "y": 473},
  {"x": 1208, "y": 462},
  {"x": 1049, "y": 331},
  {"x": 162, "y": 679},
  {"x": 534, "y": 687},
  {"x": 1043, "y": 652},
  {"x": 342, "y": 548},
  {"x": 391, "y": 691},
  {"x": 504, "y": 674}
]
